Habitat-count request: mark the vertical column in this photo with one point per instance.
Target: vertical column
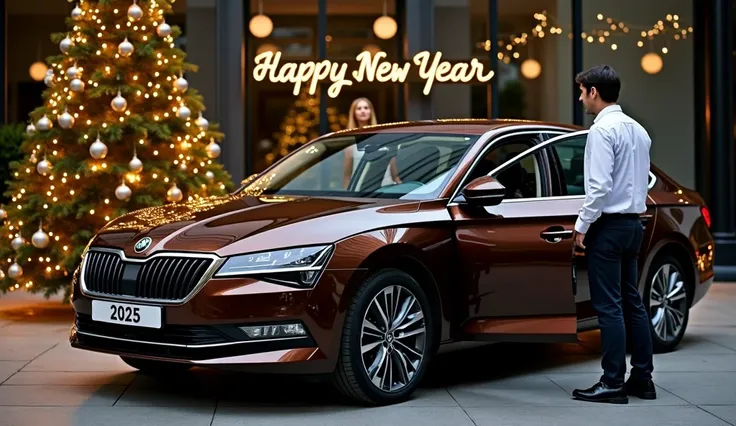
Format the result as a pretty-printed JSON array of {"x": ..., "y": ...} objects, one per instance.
[
  {"x": 701, "y": 84},
  {"x": 231, "y": 85},
  {"x": 3, "y": 64},
  {"x": 452, "y": 38},
  {"x": 493, "y": 58},
  {"x": 321, "y": 55},
  {"x": 420, "y": 36},
  {"x": 577, "y": 59},
  {"x": 202, "y": 50},
  {"x": 400, "y": 37}
]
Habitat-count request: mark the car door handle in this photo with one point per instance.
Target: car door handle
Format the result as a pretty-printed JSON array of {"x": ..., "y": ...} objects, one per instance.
[{"x": 555, "y": 234}]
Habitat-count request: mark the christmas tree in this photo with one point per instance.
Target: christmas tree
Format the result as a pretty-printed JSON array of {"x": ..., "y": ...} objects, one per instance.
[
  {"x": 119, "y": 130},
  {"x": 301, "y": 125}
]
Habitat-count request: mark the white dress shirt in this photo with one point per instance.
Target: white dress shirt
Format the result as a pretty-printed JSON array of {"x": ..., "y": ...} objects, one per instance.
[{"x": 616, "y": 167}]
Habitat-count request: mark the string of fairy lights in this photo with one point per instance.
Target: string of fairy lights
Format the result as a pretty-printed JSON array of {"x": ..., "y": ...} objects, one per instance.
[
  {"x": 670, "y": 29},
  {"x": 68, "y": 81}
]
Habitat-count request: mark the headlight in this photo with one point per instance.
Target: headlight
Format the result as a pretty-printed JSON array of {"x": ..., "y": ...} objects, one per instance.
[{"x": 295, "y": 266}]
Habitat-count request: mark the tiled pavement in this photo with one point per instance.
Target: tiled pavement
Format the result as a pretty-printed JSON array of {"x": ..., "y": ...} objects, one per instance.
[{"x": 45, "y": 382}]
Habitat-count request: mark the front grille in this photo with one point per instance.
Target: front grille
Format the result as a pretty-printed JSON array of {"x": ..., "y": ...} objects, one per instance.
[{"x": 170, "y": 278}]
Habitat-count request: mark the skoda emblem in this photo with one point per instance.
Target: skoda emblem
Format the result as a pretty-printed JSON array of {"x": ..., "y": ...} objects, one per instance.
[{"x": 142, "y": 244}]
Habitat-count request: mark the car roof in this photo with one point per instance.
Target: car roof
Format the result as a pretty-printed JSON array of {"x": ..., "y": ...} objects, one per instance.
[{"x": 469, "y": 126}]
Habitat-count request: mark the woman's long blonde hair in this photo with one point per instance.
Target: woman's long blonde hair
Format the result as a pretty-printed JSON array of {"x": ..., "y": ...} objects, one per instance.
[{"x": 352, "y": 123}]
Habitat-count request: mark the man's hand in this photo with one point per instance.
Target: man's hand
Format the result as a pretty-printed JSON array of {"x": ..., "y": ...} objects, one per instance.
[{"x": 578, "y": 240}]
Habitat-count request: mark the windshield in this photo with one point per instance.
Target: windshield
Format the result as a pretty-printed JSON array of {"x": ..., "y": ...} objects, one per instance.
[{"x": 380, "y": 165}]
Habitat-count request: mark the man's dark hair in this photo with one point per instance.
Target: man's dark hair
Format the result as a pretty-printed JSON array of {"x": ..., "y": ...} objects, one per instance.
[{"x": 604, "y": 79}]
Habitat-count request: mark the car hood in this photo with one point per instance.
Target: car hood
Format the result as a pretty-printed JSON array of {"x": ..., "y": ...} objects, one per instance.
[{"x": 238, "y": 224}]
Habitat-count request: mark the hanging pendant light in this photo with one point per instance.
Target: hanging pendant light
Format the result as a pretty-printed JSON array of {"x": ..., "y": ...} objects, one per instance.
[
  {"x": 260, "y": 25},
  {"x": 385, "y": 27}
]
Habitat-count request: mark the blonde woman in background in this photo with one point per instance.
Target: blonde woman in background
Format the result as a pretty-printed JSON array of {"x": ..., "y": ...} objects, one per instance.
[{"x": 362, "y": 114}]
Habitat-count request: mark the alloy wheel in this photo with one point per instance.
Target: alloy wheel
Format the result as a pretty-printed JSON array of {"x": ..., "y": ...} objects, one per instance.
[
  {"x": 393, "y": 338},
  {"x": 668, "y": 302}
]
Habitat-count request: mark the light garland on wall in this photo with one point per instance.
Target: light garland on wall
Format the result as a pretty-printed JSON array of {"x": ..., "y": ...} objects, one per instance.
[{"x": 509, "y": 47}]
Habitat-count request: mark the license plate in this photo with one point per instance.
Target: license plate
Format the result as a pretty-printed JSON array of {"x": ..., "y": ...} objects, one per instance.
[{"x": 126, "y": 314}]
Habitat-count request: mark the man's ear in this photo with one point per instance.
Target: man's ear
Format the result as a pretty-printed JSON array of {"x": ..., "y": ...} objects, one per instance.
[{"x": 593, "y": 92}]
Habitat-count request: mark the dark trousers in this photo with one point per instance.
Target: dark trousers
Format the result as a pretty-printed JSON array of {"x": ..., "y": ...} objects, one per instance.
[{"x": 612, "y": 246}]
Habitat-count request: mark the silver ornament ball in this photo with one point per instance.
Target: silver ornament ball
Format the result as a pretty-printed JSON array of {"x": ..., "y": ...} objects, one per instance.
[
  {"x": 49, "y": 80},
  {"x": 123, "y": 192},
  {"x": 98, "y": 150},
  {"x": 213, "y": 149},
  {"x": 135, "y": 165},
  {"x": 15, "y": 271},
  {"x": 119, "y": 104},
  {"x": 3, "y": 213},
  {"x": 77, "y": 13},
  {"x": 66, "y": 44},
  {"x": 163, "y": 30},
  {"x": 125, "y": 48},
  {"x": 76, "y": 85},
  {"x": 30, "y": 129},
  {"x": 174, "y": 194},
  {"x": 17, "y": 243},
  {"x": 43, "y": 167},
  {"x": 184, "y": 112},
  {"x": 44, "y": 124},
  {"x": 135, "y": 12},
  {"x": 182, "y": 84},
  {"x": 202, "y": 123},
  {"x": 72, "y": 72},
  {"x": 66, "y": 120},
  {"x": 210, "y": 176},
  {"x": 40, "y": 239}
]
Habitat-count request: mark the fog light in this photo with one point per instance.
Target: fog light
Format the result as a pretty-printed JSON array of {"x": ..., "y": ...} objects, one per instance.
[{"x": 269, "y": 331}]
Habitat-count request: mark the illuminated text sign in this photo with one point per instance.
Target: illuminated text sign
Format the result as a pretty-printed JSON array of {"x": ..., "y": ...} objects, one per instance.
[{"x": 370, "y": 69}]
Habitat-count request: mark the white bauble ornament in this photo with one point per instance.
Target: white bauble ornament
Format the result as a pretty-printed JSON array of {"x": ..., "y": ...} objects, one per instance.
[
  {"x": 66, "y": 44},
  {"x": 122, "y": 192},
  {"x": 17, "y": 243},
  {"x": 72, "y": 72},
  {"x": 119, "y": 103},
  {"x": 49, "y": 80},
  {"x": 44, "y": 124},
  {"x": 210, "y": 176},
  {"x": 98, "y": 150},
  {"x": 3, "y": 213},
  {"x": 125, "y": 48},
  {"x": 66, "y": 120},
  {"x": 174, "y": 194},
  {"x": 163, "y": 29},
  {"x": 183, "y": 112},
  {"x": 213, "y": 149},
  {"x": 40, "y": 239},
  {"x": 43, "y": 167},
  {"x": 15, "y": 271},
  {"x": 76, "y": 85},
  {"x": 30, "y": 129},
  {"x": 182, "y": 84},
  {"x": 134, "y": 11},
  {"x": 77, "y": 13},
  {"x": 202, "y": 123},
  {"x": 135, "y": 165}
]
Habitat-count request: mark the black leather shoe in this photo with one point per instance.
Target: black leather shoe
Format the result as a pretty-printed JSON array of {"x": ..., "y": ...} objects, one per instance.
[
  {"x": 643, "y": 389},
  {"x": 601, "y": 392}
]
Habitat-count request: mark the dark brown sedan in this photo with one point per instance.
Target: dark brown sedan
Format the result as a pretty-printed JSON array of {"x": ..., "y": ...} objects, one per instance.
[{"x": 296, "y": 273}]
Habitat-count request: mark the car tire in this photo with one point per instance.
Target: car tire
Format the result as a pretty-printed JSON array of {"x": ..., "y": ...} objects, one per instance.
[
  {"x": 155, "y": 368},
  {"x": 395, "y": 384},
  {"x": 676, "y": 307}
]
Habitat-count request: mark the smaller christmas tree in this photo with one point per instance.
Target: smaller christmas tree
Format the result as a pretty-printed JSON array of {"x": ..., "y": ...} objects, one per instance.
[{"x": 301, "y": 125}]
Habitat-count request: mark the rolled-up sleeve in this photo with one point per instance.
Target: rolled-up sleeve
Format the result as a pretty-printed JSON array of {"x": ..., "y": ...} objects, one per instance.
[{"x": 598, "y": 177}]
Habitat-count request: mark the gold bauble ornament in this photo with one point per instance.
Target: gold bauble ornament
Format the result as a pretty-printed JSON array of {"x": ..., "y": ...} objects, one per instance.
[
  {"x": 119, "y": 104},
  {"x": 135, "y": 165},
  {"x": 98, "y": 150},
  {"x": 126, "y": 48},
  {"x": 174, "y": 194}
]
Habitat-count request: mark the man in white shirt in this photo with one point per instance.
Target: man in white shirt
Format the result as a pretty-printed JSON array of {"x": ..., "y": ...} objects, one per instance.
[{"x": 610, "y": 232}]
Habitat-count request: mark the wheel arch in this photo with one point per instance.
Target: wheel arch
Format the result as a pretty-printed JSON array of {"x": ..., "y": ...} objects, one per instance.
[{"x": 675, "y": 245}]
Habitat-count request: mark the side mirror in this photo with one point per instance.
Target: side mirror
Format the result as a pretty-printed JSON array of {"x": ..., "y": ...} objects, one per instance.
[{"x": 484, "y": 191}]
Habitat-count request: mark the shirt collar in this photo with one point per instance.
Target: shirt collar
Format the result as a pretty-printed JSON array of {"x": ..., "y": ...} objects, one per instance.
[{"x": 606, "y": 110}]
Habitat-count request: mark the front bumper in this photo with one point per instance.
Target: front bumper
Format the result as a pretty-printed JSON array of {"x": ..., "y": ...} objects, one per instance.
[{"x": 205, "y": 329}]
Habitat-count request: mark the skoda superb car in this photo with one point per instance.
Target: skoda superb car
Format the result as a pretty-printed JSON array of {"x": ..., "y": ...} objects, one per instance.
[{"x": 329, "y": 264}]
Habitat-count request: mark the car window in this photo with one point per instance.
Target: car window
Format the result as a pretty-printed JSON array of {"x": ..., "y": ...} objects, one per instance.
[
  {"x": 569, "y": 154},
  {"x": 522, "y": 177},
  {"x": 500, "y": 153}
]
